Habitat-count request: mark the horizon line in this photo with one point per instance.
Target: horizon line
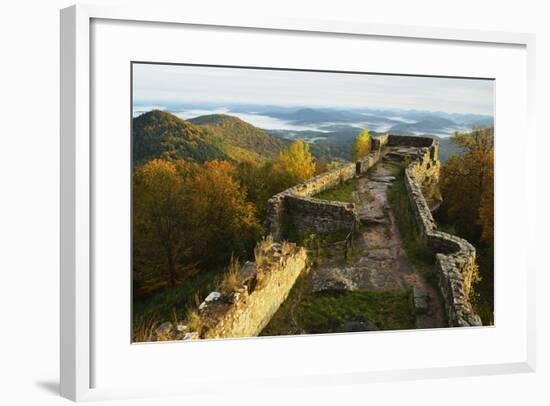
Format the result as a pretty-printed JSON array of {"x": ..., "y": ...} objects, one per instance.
[{"x": 157, "y": 103}]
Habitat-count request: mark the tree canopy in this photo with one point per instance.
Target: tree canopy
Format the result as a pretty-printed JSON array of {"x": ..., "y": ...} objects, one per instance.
[
  {"x": 467, "y": 185},
  {"x": 295, "y": 164},
  {"x": 187, "y": 214},
  {"x": 161, "y": 227},
  {"x": 467, "y": 181},
  {"x": 361, "y": 147}
]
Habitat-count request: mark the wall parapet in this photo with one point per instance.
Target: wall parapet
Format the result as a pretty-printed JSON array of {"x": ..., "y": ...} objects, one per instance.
[
  {"x": 247, "y": 308},
  {"x": 455, "y": 257},
  {"x": 246, "y": 311},
  {"x": 315, "y": 215}
]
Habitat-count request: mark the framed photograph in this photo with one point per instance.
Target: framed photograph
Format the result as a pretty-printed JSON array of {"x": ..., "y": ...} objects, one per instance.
[{"x": 299, "y": 202}]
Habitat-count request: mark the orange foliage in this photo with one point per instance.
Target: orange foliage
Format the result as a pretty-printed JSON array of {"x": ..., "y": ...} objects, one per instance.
[{"x": 185, "y": 214}]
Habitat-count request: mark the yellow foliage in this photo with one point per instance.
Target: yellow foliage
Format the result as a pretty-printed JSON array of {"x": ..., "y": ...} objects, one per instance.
[
  {"x": 361, "y": 147},
  {"x": 295, "y": 164}
]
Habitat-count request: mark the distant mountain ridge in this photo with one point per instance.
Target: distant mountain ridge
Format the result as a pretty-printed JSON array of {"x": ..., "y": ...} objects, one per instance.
[
  {"x": 427, "y": 125},
  {"x": 310, "y": 116}
]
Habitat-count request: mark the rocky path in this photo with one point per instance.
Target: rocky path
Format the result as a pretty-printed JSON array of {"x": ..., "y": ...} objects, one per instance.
[{"x": 379, "y": 260}]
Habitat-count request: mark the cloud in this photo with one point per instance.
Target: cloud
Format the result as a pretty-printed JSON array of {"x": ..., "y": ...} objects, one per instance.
[{"x": 195, "y": 84}]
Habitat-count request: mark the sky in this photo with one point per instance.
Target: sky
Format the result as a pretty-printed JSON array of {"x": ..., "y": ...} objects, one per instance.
[{"x": 173, "y": 84}]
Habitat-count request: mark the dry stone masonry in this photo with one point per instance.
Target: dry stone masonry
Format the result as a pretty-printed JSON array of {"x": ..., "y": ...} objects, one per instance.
[
  {"x": 266, "y": 287},
  {"x": 246, "y": 310},
  {"x": 455, "y": 257},
  {"x": 313, "y": 216}
]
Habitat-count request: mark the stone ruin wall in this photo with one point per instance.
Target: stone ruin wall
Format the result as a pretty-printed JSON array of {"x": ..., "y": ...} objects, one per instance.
[
  {"x": 245, "y": 311},
  {"x": 311, "y": 215},
  {"x": 455, "y": 257},
  {"x": 314, "y": 216}
]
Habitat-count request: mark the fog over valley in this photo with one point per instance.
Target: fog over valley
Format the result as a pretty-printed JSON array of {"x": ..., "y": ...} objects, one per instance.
[
  {"x": 328, "y": 120},
  {"x": 333, "y": 128},
  {"x": 325, "y": 109}
]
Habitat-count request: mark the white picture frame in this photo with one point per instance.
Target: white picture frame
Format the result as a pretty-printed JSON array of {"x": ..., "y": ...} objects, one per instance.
[{"x": 77, "y": 357}]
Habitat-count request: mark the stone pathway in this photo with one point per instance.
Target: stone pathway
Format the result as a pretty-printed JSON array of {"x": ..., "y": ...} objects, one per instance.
[{"x": 379, "y": 261}]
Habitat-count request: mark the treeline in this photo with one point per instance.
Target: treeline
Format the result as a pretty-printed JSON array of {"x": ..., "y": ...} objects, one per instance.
[
  {"x": 190, "y": 216},
  {"x": 467, "y": 187}
]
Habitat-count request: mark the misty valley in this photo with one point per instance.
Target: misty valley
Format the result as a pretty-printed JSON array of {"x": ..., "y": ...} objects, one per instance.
[{"x": 331, "y": 131}]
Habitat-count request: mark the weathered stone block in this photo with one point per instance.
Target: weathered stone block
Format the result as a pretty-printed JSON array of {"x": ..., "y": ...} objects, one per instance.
[{"x": 249, "y": 313}]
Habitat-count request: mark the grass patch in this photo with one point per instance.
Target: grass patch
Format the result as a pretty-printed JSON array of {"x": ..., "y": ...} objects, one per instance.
[
  {"x": 326, "y": 312},
  {"x": 418, "y": 252},
  {"x": 194, "y": 321},
  {"x": 144, "y": 331},
  {"x": 341, "y": 193},
  {"x": 321, "y": 239},
  {"x": 261, "y": 250},
  {"x": 231, "y": 280}
]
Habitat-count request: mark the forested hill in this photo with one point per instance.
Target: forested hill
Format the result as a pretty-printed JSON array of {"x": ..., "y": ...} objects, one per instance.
[
  {"x": 159, "y": 134},
  {"x": 239, "y": 139}
]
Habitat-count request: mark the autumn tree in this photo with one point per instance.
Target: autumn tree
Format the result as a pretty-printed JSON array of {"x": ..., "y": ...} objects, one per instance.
[
  {"x": 361, "y": 147},
  {"x": 188, "y": 216},
  {"x": 160, "y": 221},
  {"x": 467, "y": 181},
  {"x": 294, "y": 165},
  {"x": 260, "y": 183},
  {"x": 467, "y": 185},
  {"x": 225, "y": 222}
]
